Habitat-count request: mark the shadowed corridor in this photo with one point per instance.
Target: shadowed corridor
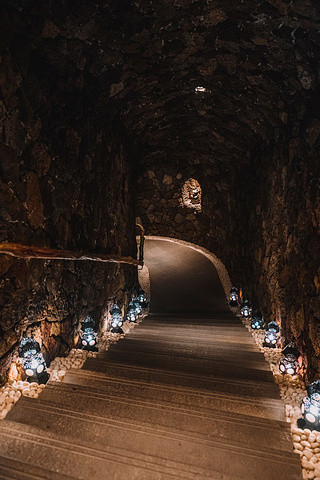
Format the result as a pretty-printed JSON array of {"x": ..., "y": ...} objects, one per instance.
[
  {"x": 182, "y": 280},
  {"x": 183, "y": 396}
]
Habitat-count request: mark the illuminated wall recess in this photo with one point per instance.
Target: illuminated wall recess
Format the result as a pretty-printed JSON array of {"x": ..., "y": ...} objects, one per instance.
[{"x": 191, "y": 194}]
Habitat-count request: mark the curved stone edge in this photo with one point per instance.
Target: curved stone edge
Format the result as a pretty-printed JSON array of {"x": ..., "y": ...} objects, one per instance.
[{"x": 221, "y": 269}]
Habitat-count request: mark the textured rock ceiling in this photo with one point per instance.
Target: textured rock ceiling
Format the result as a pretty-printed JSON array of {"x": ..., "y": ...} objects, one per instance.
[{"x": 141, "y": 61}]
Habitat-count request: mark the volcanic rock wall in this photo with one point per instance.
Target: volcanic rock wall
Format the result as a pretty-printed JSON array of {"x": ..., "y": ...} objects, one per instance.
[
  {"x": 282, "y": 246},
  {"x": 65, "y": 184}
]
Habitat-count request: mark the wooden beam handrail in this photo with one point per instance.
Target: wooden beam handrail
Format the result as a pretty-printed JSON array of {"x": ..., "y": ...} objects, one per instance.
[{"x": 28, "y": 252}]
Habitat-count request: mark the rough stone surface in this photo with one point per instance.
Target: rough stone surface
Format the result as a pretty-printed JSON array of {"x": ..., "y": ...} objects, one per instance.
[
  {"x": 93, "y": 91},
  {"x": 64, "y": 183}
]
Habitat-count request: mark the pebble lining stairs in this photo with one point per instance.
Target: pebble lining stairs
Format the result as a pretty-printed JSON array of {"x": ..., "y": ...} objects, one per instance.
[{"x": 179, "y": 398}]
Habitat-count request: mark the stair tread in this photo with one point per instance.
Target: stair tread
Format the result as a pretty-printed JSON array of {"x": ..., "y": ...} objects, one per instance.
[
  {"x": 34, "y": 444},
  {"x": 12, "y": 469},
  {"x": 93, "y": 382},
  {"x": 109, "y": 463},
  {"x": 230, "y": 430},
  {"x": 190, "y": 398},
  {"x": 195, "y": 380}
]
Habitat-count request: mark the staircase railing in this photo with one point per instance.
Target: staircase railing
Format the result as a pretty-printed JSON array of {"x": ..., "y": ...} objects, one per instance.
[{"x": 27, "y": 252}]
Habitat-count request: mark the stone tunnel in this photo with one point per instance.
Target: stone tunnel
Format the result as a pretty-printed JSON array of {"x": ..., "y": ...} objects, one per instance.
[{"x": 199, "y": 121}]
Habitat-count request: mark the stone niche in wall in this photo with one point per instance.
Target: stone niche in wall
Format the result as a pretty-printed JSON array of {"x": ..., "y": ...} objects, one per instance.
[
  {"x": 191, "y": 195},
  {"x": 169, "y": 204}
]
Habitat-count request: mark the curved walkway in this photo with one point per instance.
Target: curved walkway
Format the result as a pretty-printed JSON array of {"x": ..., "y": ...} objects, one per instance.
[{"x": 181, "y": 397}]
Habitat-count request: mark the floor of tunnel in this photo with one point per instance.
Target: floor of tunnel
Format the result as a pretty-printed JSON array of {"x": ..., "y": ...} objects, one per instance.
[
  {"x": 182, "y": 280},
  {"x": 182, "y": 396}
]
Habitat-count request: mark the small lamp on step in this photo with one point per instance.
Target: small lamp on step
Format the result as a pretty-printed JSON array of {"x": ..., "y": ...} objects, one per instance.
[
  {"x": 257, "y": 322},
  {"x": 271, "y": 335},
  {"x": 142, "y": 298},
  {"x": 33, "y": 361},
  {"x": 290, "y": 364},
  {"x": 310, "y": 408},
  {"x": 131, "y": 313},
  {"x": 233, "y": 297},
  {"x": 137, "y": 306},
  {"x": 246, "y": 309},
  {"x": 89, "y": 335},
  {"x": 116, "y": 319}
]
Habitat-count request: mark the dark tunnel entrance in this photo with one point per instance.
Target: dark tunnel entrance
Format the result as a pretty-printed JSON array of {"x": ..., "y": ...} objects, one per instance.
[{"x": 182, "y": 280}]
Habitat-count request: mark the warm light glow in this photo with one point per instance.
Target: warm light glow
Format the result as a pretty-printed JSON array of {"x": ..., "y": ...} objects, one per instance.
[
  {"x": 116, "y": 319},
  {"x": 233, "y": 297},
  {"x": 200, "y": 89},
  {"x": 191, "y": 194},
  {"x": 289, "y": 365},
  {"x": 271, "y": 335},
  {"x": 32, "y": 359},
  {"x": 246, "y": 309}
]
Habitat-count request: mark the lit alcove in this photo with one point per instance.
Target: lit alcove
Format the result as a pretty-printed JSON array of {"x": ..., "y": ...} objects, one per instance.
[{"x": 191, "y": 194}]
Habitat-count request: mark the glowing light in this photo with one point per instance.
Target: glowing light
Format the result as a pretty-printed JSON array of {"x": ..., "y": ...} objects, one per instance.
[
  {"x": 271, "y": 335},
  {"x": 310, "y": 408},
  {"x": 88, "y": 334},
  {"x": 33, "y": 361},
  {"x": 290, "y": 364},
  {"x": 137, "y": 306},
  {"x": 142, "y": 298},
  {"x": 131, "y": 314},
  {"x": 200, "y": 89},
  {"x": 116, "y": 319},
  {"x": 246, "y": 309},
  {"x": 233, "y": 297},
  {"x": 257, "y": 322},
  {"x": 191, "y": 194}
]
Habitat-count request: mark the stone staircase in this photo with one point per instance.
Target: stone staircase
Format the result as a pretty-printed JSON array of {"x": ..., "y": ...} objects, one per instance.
[{"x": 179, "y": 398}]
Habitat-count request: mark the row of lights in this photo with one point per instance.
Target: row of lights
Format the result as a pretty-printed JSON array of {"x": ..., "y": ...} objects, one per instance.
[
  {"x": 289, "y": 364},
  {"x": 32, "y": 360}
]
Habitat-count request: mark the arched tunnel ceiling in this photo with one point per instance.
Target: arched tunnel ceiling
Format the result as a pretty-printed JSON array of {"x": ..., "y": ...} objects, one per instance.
[{"x": 258, "y": 61}]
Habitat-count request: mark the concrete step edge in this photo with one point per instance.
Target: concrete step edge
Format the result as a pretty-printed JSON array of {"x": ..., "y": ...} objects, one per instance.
[
  {"x": 12, "y": 469},
  {"x": 155, "y": 464},
  {"x": 100, "y": 377},
  {"x": 162, "y": 431},
  {"x": 124, "y": 350},
  {"x": 173, "y": 408},
  {"x": 222, "y": 427},
  {"x": 140, "y": 368}
]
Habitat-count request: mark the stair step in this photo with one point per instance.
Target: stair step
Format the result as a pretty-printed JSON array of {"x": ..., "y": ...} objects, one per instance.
[
  {"x": 215, "y": 338},
  {"x": 197, "y": 380},
  {"x": 189, "y": 399},
  {"x": 195, "y": 346},
  {"x": 90, "y": 461},
  {"x": 226, "y": 427},
  {"x": 158, "y": 444},
  {"x": 200, "y": 353},
  {"x": 192, "y": 364},
  {"x": 175, "y": 395},
  {"x": 11, "y": 469}
]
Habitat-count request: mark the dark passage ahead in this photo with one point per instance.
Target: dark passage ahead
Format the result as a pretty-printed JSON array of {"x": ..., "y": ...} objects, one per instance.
[{"x": 182, "y": 280}]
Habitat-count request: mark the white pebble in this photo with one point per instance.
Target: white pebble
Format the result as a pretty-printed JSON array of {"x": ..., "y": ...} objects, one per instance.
[
  {"x": 3, "y": 413},
  {"x": 308, "y": 453},
  {"x": 304, "y": 443}
]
